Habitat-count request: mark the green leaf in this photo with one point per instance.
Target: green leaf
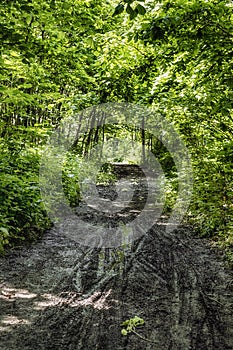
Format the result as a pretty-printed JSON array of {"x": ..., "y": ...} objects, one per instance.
[
  {"x": 129, "y": 10},
  {"x": 124, "y": 332},
  {"x": 136, "y": 37},
  {"x": 141, "y": 9},
  {"x": 133, "y": 15},
  {"x": 118, "y": 10},
  {"x": 28, "y": 19},
  {"x": 125, "y": 323},
  {"x": 138, "y": 321},
  {"x": 5, "y": 231}
]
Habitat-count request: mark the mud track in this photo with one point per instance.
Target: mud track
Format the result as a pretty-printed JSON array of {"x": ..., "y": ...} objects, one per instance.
[{"x": 57, "y": 294}]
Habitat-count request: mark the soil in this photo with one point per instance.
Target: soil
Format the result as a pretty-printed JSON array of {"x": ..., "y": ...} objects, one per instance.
[{"x": 58, "y": 294}]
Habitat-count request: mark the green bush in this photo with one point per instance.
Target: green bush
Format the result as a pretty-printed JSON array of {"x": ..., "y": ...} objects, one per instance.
[{"x": 22, "y": 214}]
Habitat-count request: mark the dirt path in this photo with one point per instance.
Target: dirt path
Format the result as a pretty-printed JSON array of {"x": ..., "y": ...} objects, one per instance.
[
  {"x": 58, "y": 295},
  {"x": 55, "y": 295}
]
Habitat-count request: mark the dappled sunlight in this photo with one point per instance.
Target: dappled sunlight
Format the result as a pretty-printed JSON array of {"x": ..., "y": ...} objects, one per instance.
[
  {"x": 98, "y": 300},
  {"x": 13, "y": 320},
  {"x": 11, "y": 295},
  {"x": 49, "y": 300},
  {"x": 8, "y": 293}
]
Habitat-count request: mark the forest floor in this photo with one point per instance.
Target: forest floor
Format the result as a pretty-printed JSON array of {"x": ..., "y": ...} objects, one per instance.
[{"x": 58, "y": 294}]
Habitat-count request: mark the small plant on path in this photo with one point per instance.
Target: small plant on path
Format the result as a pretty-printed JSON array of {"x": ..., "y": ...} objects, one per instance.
[{"x": 129, "y": 326}]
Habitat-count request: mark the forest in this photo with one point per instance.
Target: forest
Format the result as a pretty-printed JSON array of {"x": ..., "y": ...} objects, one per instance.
[
  {"x": 61, "y": 57},
  {"x": 116, "y": 164}
]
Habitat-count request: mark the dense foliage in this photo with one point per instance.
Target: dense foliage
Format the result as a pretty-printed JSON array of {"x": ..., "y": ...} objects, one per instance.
[{"x": 173, "y": 56}]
